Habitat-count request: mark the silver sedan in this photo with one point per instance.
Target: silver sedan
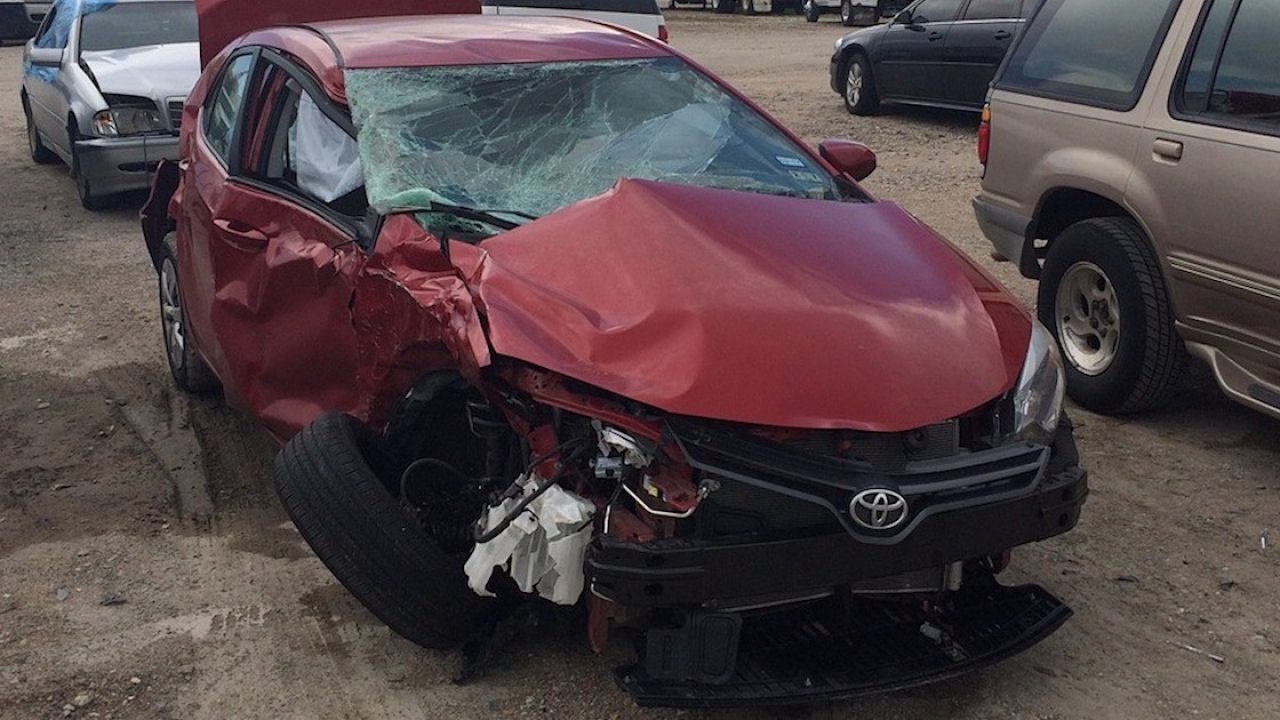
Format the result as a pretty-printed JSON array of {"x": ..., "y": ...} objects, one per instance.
[{"x": 103, "y": 86}]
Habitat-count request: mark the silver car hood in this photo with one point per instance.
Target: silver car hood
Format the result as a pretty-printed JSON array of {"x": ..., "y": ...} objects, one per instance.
[{"x": 160, "y": 72}]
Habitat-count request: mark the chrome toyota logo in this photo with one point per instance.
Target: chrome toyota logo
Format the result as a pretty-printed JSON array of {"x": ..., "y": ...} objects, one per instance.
[{"x": 878, "y": 509}]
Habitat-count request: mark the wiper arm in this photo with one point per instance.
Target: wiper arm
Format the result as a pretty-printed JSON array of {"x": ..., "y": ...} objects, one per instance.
[{"x": 488, "y": 217}]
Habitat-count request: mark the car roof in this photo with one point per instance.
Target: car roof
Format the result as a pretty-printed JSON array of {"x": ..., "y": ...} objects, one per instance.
[{"x": 435, "y": 40}]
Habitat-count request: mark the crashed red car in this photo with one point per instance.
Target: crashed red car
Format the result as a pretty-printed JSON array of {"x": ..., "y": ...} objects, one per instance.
[{"x": 544, "y": 311}]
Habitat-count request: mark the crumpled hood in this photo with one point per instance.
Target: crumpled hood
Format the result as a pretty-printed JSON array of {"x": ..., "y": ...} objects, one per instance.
[
  {"x": 752, "y": 308},
  {"x": 159, "y": 72}
]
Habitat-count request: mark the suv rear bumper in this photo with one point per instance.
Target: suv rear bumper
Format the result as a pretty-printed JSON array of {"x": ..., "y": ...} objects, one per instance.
[
  {"x": 974, "y": 506},
  {"x": 1006, "y": 229}
]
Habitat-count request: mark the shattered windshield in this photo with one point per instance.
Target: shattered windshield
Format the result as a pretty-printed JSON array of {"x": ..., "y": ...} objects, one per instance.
[{"x": 523, "y": 140}]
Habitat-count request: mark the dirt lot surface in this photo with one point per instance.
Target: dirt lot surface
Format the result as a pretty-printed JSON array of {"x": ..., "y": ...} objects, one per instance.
[{"x": 147, "y": 570}]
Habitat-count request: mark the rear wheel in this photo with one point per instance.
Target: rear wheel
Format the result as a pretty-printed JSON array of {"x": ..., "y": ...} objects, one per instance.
[
  {"x": 376, "y": 548},
  {"x": 846, "y": 12},
  {"x": 860, "y": 97},
  {"x": 189, "y": 370},
  {"x": 40, "y": 154},
  {"x": 811, "y": 11},
  {"x": 1105, "y": 300}
]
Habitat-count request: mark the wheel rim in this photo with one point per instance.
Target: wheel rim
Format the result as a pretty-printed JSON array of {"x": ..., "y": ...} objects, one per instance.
[
  {"x": 853, "y": 84},
  {"x": 171, "y": 314},
  {"x": 1088, "y": 318}
]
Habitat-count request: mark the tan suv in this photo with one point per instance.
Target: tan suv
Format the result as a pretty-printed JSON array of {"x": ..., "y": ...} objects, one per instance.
[{"x": 1132, "y": 164}]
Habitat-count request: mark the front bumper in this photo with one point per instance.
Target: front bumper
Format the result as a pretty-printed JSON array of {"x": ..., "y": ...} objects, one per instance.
[
  {"x": 116, "y": 165},
  {"x": 964, "y": 508}
]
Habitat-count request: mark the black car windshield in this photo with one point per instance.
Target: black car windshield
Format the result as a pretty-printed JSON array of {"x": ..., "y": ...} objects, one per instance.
[
  {"x": 137, "y": 24},
  {"x": 532, "y": 138}
]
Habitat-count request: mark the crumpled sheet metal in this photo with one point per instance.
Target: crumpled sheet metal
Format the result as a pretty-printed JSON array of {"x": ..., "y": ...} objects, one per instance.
[
  {"x": 751, "y": 308},
  {"x": 413, "y": 313},
  {"x": 542, "y": 550}
]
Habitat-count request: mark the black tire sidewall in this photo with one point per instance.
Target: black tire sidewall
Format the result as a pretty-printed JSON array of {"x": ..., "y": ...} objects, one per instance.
[
  {"x": 867, "y": 101},
  {"x": 811, "y": 10},
  {"x": 1088, "y": 242},
  {"x": 846, "y": 13}
]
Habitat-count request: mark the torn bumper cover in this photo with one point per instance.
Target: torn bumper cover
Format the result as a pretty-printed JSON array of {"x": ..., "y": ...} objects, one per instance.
[
  {"x": 858, "y": 640},
  {"x": 830, "y": 652}
]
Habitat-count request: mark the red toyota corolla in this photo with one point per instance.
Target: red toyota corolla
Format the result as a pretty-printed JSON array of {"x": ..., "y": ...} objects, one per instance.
[{"x": 544, "y": 312}]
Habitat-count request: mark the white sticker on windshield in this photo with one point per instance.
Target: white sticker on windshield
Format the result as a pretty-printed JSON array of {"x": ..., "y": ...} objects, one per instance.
[{"x": 789, "y": 161}]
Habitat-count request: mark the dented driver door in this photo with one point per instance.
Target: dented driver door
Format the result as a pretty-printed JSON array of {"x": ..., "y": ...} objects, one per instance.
[{"x": 282, "y": 251}]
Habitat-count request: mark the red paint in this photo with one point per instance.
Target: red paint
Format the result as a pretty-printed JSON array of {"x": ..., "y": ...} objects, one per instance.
[
  {"x": 222, "y": 21},
  {"x": 764, "y": 310}
]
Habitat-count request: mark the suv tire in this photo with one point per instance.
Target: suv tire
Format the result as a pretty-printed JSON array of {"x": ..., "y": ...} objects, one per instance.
[
  {"x": 811, "y": 10},
  {"x": 358, "y": 529},
  {"x": 1103, "y": 297}
]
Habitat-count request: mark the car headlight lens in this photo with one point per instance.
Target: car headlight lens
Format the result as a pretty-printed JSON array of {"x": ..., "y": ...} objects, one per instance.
[
  {"x": 118, "y": 122},
  {"x": 1037, "y": 398}
]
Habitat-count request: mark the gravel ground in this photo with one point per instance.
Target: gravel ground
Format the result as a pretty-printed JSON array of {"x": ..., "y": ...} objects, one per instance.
[{"x": 147, "y": 571}]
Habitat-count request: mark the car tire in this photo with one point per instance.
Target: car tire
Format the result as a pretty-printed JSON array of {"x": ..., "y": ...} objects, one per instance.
[
  {"x": 811, "y": 11},
  {"x": 725, "y": 7},
  {"x": 859, "y": 89},
  {"x": 747, "y": 7},
  {"x": 1103, "y": 297},
  {"x": 189, "y": 370},
  {"x": 371, "y": 544},
  {"x": 846, "y": 13},
  {"x": 89, "y": 199},
  {"x": 40, "y": 154}
]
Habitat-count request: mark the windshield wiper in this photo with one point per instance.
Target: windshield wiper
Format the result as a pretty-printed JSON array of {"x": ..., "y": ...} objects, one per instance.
[{"x": 490, "y": 217}]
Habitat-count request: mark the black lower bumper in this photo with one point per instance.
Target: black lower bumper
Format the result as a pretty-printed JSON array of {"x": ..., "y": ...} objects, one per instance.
[
  {"x": 817, "y": 653},
  {"x": 976, "y": 506}
]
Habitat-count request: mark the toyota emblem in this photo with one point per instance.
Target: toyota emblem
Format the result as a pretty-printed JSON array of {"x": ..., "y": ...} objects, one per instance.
[{"x": 878, "y": 509}]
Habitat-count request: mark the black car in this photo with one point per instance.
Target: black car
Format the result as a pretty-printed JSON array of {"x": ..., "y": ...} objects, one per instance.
[{"x": 935, "y": 52}]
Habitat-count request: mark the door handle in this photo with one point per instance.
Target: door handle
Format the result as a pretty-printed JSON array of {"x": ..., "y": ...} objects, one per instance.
[
  {"x": 1167, "y": 149},
  {"x": 241, "y": 235},
  {"x": 934, "y": 35},
  {"x": 1003, "y": 34}
]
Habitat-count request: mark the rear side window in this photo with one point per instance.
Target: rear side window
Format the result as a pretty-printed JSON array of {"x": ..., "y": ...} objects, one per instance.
[
  {"x": 641, "y": 7},
  {"x": 931, "y": 11},
  {"x": 992, "y": 9},
  {"x": 1096, "y": 52},
  {"x": 224, "y": 103},
  {"x": 1233, "y": 74}
]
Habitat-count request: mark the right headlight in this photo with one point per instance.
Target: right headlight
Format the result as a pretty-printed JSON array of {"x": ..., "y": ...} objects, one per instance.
[
  {"x": 1037, "y": 398},
  {"x": 128, "y": 120}
]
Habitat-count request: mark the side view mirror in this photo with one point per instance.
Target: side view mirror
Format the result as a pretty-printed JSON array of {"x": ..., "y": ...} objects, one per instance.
[
  {"x": 45, "y": 57},
  {"x": 852, "y": 158}
]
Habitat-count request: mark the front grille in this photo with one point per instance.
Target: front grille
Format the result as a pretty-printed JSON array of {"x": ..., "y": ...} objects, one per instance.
[
  {"x": 885, "y": 452},
  {"x": 175, "y": 114}
]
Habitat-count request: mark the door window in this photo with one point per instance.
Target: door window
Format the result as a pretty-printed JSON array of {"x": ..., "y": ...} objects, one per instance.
[
  {"x": 305, "y": 153},
  {"x": 992, "y": 9},
  {"x": 223, "y": 107},
  {"x": 1096, "y": 52},
  {"x": 931, "y": 11},
  {"x": 1232, "y": 75}
]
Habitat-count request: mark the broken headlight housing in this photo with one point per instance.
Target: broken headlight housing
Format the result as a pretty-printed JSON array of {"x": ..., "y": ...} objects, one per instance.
[
  {"x": 128, "y": 115},
  {"x": 1037, "y": 398}
]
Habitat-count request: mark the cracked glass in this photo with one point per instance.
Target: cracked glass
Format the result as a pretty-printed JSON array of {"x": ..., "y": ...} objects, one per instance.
[{"x": 522, "y": 140}]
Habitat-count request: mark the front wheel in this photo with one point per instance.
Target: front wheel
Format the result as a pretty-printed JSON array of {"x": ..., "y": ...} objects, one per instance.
[
  {"x": 846, "y": 12},
  {"x": 811, "y": 11},
  {"x": 1104, "y": 298},
  {"x": 376, "y": 548},
  {"x": 860, "y": 97}
]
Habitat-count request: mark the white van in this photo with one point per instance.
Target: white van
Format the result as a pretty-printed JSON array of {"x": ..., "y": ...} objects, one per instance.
[{"x": 639, "y": 15}]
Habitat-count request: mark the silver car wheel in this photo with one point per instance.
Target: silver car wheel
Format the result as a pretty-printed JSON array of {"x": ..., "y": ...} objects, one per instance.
[
  {"x": 1088, "y": 318},
  {"x": 853, "y": 84},
  {"x": 171, "y": 314}
]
